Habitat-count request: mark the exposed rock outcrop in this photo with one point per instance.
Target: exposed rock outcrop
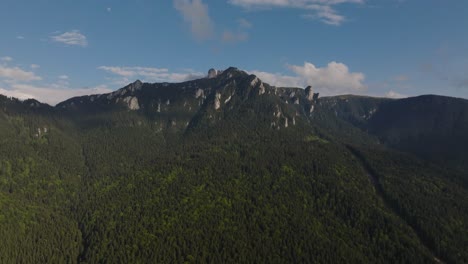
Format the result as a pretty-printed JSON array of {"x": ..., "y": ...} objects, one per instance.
[
  {"x": 199, "y": 93},
  {"x": 217, "y": 102},
  {"x": 132, "y": 102},
  {"x": 309, "y": 93},
  {"x": 261, "y": 87},
  {"x": 212, "y": 73},
  {"x": 315, "y": 97},
  {"x": 134, "y": 86}
]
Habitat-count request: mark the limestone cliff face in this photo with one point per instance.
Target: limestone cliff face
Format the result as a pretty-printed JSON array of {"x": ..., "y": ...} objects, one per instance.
[
  {"x": 132, "y": 103},
  {"x": 199, "y": 93},
  {"x": 217, "y": 102},
  {"x": 212, "y": 73},
  {"x": 309, "y": 93},
  {"x": 203, "y": 98},
  {"x": 257, "y": 82}
]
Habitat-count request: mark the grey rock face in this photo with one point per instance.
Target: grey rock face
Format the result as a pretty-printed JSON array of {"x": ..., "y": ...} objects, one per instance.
[
  {"x": 217, "y": 102},
  {"x": 309, "y": 93},
  {"x": 135, "y": 86},
  {"x": 199, "y": 93},
  {"x": 132, "y": 103},
  {"x": 212, "y": 73},
  {"x": 261, "y": 87},
  {"x": 316, "y": 96}
]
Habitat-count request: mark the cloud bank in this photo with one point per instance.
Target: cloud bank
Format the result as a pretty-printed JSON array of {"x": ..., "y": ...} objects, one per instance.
[
  {"x": 128, "y": 74},
  {"x": 335, "y": 78},
  {"x": 12, "y": 74},
  {"x": 23, "y": 84}
]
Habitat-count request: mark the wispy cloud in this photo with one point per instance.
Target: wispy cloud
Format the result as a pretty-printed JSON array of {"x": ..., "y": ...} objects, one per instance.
[
  {"x": 325, "y": 14},
  {"x": 24, "y": 84},
  {"x": 322, "y": 10},
  {"x": 71, "y": 38},
  {"x": 335, "y": 78},
  {"x": 109, "y": 9},
  {"x": 150, "y": 74},
  {"x": 12, "y": 74},
  {"x": 195, "y": 13},
  {"x": 34, "y": 66},
  {"x": 20, "y": 37}
]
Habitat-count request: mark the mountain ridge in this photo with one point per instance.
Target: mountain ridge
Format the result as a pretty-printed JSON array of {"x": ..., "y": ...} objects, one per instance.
[
  {"x": 211, "y": 75},
  {"x": 180, "y": 106},
  {"x": 265, "y": 174}
]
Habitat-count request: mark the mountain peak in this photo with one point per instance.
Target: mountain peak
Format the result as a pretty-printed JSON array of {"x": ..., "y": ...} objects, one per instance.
[
  {"x": 229, "y": 73},
  {"x": 212, "y": 73},
  {"x": 136, "y": 85}
]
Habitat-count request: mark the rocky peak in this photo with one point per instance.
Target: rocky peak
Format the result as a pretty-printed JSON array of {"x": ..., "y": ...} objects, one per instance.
[
  {"x": 309, "y": 93},
  {"x": 134, "y": 86},
  {"x": 212, "y": 73},
  {"x": 233, "y": 72},
  {"x": 256, "y": 81},
  {"x": 316, "y": 96}
]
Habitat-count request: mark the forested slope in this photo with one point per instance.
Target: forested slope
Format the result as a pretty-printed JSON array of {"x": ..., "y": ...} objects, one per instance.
[{"x": 223, "y": 170}]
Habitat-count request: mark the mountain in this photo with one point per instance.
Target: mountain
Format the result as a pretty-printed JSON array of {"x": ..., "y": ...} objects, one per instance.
[{"x": 228, "y": 169}]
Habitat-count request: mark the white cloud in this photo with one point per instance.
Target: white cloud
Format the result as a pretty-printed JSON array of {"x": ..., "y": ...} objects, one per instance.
[
  {"x": 333, "y": 79},
  {"x": 326, "y": 14},
  {"x": 20, "y": 37},
  {"x": 151, "y": 74},
  {"x": 233, "y": 37},
  {"x": 395, "y": 95},
  {"x": 195, "y": 12},
  {"x": 109, "y": 9},
  {"x": 281, "y": 80},
  {"x": 6, "y": 59},
  {"x": 17, "y": 74},
  {"x": 72, "y": 38},
  {"x": 34, "y": 66},
  {"x": 20, "y": 83},
  {"x": 322, "y": 10},
  {"x": 49, "y": 95}
]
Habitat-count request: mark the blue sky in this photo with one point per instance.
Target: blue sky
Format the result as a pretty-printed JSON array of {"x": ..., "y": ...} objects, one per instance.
[{"x": 52, "y": 50}]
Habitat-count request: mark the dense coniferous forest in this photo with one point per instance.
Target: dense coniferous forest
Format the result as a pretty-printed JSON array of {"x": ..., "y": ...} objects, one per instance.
[{"x": 232, "y": 170}]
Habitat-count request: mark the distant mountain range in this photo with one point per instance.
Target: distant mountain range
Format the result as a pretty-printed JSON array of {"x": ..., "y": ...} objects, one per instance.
[{"x": 230, "y": 169}]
